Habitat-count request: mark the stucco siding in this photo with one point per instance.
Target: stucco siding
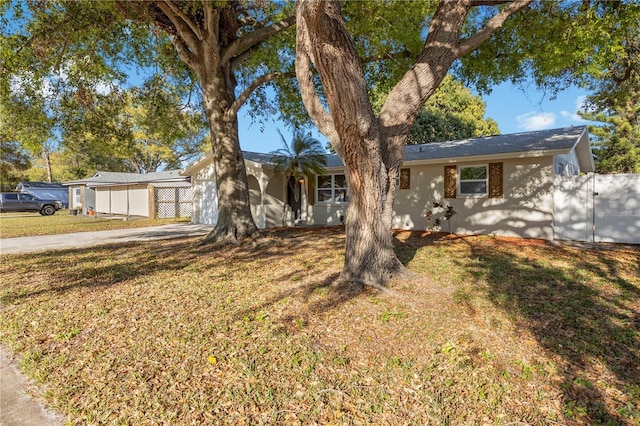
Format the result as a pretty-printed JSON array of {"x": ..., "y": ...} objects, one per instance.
[
  {"x": 103, "y": 200},
  {"x": 525, "y": 210},
  {"x": 205, "y": 199},
  {"x": 138, "y": 200},
  {"x": 273, "y": 201},
  {"x": 328, "y": 214},
  {"x": 119, "y": 200}
]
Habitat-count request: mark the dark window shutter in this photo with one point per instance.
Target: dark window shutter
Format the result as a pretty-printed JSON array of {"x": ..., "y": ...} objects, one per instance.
[
  {"x": 450, "y": 184},
  {"x": 405, "y": 178},
  {"x": 311, "y": 198},
  {"x": 496, "y": 187}
]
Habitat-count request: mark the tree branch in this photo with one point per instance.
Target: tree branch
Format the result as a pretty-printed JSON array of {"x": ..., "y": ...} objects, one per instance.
[
  {"x": 185, "y": 27},
  {"x": 489, "y": 2},
  {"x": 251, "y": 39},
  {"x": 211, "y": 26},
  {"x": 183, "y": 51},
  {"x": 441, "y": 48},
  {"x": 491, "y": 27},
  {"x": 387, "y": 55},
  {"x": 240, "y": 100},
  {"x": 310, "y": 97}
]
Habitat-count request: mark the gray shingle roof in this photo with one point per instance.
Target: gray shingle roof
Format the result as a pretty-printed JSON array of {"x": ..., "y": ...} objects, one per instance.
[
  {"x": 515, "y": 143},
  {"x": 130, "y": 178},
  {"x": 544, "y": 142}
]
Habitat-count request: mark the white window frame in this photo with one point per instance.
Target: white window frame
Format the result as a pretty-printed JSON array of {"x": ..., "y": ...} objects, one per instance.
[
  {"x": 333, "y": 189},
  {"x": 460, "y": 193}
]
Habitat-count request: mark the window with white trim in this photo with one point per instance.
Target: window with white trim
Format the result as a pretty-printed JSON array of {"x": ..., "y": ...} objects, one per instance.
[
  {"x": 332, "y": 189},
  {"x": 473, "y": 180}
]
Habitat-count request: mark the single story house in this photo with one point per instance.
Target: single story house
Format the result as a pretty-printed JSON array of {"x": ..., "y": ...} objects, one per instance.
[
  {"x": 500, "y": 185},
  {"x": 45, "y": 191},
  {"x": 158, "y": 194}
]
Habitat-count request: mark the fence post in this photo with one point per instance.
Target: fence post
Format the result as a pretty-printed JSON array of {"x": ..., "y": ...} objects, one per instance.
[{"x": 152, "y": 201}]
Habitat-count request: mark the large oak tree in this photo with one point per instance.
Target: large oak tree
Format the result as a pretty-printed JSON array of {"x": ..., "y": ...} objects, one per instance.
[
  {"x": 556, "y": 43},
  {"x": 372, "y": 147},
  {"x": 93, "y": 41}
]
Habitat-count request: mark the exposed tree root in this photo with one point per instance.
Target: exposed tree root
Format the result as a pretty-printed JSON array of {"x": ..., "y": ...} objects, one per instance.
[
  {"x": 398, "y": 272},
  {"x": 224, "y": 236},
  {"x": 373, "y": 284}
]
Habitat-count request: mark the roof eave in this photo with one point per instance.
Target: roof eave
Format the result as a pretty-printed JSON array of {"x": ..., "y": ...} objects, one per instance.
[
  {"x": 488, "y": 157},
  {"x": 584, "y": 153}
]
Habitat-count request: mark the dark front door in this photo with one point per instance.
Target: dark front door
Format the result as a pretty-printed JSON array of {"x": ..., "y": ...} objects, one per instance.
[{"x": 294, "y": 199}]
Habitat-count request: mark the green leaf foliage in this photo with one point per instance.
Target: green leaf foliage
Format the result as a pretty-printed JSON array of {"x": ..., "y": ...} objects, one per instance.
[
  {"x": 452, "y": 113},
  {"x": 14, "y": 161},
  {"x": 303, "y": 156},
  {"x": 617, "y": 141},
  {"x": 557, "y": 43}
]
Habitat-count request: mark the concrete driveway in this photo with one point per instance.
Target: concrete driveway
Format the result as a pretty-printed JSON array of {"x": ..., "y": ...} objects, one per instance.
[{"x": 91, "y": 239}]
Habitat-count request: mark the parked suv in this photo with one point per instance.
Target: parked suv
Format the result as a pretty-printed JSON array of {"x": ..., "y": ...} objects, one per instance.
[{"x": 19, "y": 202}]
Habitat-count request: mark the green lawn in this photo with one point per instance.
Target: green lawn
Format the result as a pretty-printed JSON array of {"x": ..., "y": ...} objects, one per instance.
[
  {"x": 32, "y": 224},
  {"x": 492, "y": 331}
]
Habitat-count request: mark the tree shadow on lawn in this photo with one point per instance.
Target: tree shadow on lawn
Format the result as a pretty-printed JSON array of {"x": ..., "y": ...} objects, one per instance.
[
  {"x": 407, "y": 243},
  {"x": 112, "y": 264},
  {"x": 587, "y": 325}
]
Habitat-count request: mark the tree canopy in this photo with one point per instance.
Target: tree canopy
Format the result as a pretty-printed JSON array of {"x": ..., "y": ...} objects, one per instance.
[
  {"x": 452, "y": 113},
  {"x": 617, "y": 141},
  {"x": 485, "y": 42}
]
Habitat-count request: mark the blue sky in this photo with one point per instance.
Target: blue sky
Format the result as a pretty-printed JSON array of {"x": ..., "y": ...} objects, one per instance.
[{"x": 515, "y": 111}]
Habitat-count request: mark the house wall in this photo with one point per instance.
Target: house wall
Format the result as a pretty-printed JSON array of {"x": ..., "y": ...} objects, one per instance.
[
  {"x": 138, "y": 200},
  {"x": 205, "y": 200},
  {"x": 525, "y": 210},
  {"x": 566, "y": 164},
  {"x": 273, "y": 201},
  {"x": 103, "y": 200}
]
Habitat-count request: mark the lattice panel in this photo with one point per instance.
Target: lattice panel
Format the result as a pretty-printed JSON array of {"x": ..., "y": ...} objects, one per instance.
[{"x": 173, "y": 202}]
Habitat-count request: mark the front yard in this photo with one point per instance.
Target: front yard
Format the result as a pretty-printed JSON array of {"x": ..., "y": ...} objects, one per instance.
[
  {"x": 32, "y": 224},
  {"x": 493, "y": 331}
]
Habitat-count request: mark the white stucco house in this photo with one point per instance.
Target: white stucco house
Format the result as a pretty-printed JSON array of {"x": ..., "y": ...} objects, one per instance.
[{"x": 503, "y": 185}]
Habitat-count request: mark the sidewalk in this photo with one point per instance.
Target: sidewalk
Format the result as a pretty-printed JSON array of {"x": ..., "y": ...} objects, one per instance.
[
  {"x": 17, "y": 406},
  {"x": 90, "y": 239}
]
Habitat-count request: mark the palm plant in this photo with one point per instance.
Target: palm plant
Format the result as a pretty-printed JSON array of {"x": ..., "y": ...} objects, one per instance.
[{"x": 304, "y": 156}]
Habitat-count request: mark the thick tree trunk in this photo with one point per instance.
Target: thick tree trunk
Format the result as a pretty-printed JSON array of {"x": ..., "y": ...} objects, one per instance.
[
  {"x": 369, "y": 256},
  {"x": 235, "y": 221},
  {"x": 372, "y": 148}
]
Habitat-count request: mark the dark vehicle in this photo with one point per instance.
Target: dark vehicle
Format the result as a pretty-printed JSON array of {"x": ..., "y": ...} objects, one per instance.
[{"x": 19, "y": 202}]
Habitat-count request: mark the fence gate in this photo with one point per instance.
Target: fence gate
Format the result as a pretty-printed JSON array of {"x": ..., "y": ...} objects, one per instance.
[
  {"x": 173, "y": 201},
  {"x": 598, "y": 208}
]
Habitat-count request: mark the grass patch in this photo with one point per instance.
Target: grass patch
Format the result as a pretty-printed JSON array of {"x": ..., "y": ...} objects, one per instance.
[
  {"x": 32, "y": 224},
  {"x": 509, "y": 332}
]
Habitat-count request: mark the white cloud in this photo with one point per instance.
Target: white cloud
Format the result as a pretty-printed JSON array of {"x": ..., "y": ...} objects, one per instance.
[
  {"x": 536, "y": 121},
  {"x": 580, "y": 105}
]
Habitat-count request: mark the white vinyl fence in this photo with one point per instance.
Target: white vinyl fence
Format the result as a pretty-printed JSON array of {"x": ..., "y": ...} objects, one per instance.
[{"x": 598, "y": 208}]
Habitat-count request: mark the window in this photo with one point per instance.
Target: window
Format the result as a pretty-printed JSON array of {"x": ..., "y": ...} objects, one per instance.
[
  {"x": 27, "y": 197},
  {"x": 11, "y": 196},
  {"x": 473, "y": 180},
  {"x": 332, "y": 189}
]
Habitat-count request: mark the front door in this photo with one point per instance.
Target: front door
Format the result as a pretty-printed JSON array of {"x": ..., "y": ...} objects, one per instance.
[{"x": 294, "y": 199}]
